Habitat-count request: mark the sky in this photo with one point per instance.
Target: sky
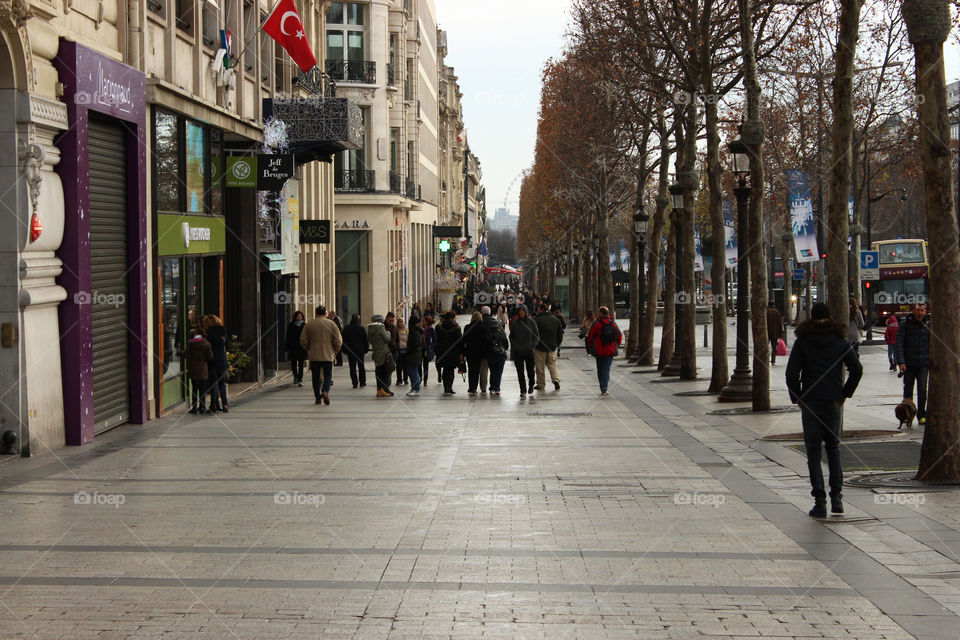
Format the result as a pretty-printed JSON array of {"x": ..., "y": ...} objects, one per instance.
[{"x": 498, "y": 49}]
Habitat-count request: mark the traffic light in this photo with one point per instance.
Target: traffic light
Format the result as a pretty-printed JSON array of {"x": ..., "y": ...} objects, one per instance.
[
  {"x": 823, "y": 256},
  {"x": 867, "y": 285}
]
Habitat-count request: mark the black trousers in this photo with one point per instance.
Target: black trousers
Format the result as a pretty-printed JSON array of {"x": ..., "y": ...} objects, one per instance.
[
  {"x": 473, "y": 373},
  {"x": 198, "y": 394},
  {"x": 383, "y": 377},
  {"x": 822, "y": 423},
  {"x": 918, "y": 375},
  {"x": 358, "y": 371},
  {"x": 426, "y": 370},
  {"x": 297, "y": 367},
  {"x": 402, "y": 367},
  {"x": 522, "y": 362},
  {"x": 447, "y": 373}
]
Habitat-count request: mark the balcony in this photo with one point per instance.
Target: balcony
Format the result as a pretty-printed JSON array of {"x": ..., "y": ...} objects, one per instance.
[
  {"x": 317, "y": 127},
  {"x": 396, "y": 183},
  {"x": 391, "y": 75},
  {"x": 350, "y": 181},
  {"x": 349, "y": 71},
  {"x": 412, "y": 191}
]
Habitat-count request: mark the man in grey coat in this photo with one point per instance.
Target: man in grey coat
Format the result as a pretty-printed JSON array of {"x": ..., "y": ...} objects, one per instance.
[{"x": 545, "y": 353}]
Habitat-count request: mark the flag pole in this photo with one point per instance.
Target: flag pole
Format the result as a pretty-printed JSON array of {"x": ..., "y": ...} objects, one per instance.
[{"x": 246, "y": 43}]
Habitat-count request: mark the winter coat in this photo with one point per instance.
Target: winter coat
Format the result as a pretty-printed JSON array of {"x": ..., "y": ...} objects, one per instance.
[
  {"x": 394, "y": 338},
  {"x": 294, "y": 350},
  {"x": 414, "y": 346},
  {"x": 217, "y": 337},
  {"x": 379, "y": 339},
  {"x": 854, "y": 326},
  {"x": 475, "y": 341},
  {"x": 355, "y": 342},
  {"x": 449, "y": 343},
  {"x": 815, "y": 367},
  {"x": 402, "y": 334},
  {"x": 550, "y": 330},
  {"x": 913, "y": 342},
  {"x": 524, "y": 335},
  {"x": 600, "y": 349},
  {"x": 429, "y": 343},
  {"x": 198, "y": 354},
  {"x": 321, "y": 338},
  {"x": 774, "y": 324},
  {"x": 890, "y": 334},
  {"x": 493, "y": 330}
]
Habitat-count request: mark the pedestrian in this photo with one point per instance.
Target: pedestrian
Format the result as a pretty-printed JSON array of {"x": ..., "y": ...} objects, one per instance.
[
  {"x": 321, "y": 338},
  {"x": 815, "y": 382},
  {"x": 545, "y": 353},
  {"x": 356, "y": 345},
  {"x": 475, "y": 350},
  {"x": 854, "y": 326},
  {"x": 402, "y": 333},
  {"x": 604, "y": 338},
  {"x": 485, "y": 313},
  {"x": 414, "y": 355},
  {"x": 429, "y": 346},
  {"x": 379, "y": 339},
  {"x": 217, "y": 337},
  {"x": 890, "y": 337},
  {"x": 429, "y": 312},
  {"x": 774, "y": 329},
  {"x": 585, "y": 324},
  {"x": 558, "y": 312},
  {"x": 502, "y": 315},
  {"x": 390, "y": 323},
  {"x": 296, "y": 354},
  {"x": 338, "y": 358},
  {"x": 913, "y": 356},
  {"x": 497, "y": 349},
  {"x": 198, "y": 355},
  {"x": 449, "y": 350},
  {"x": 524, "y": 337}
]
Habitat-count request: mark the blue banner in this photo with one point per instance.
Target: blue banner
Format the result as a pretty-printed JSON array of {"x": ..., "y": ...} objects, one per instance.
[
  {"x": 801, "y": 216},
  {"x": 698, "y": 251},
  {"x": 730, "y": 250}
]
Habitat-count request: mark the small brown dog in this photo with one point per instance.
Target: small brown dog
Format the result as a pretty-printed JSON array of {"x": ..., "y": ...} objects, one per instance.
[{"x": 906, "y": 411}]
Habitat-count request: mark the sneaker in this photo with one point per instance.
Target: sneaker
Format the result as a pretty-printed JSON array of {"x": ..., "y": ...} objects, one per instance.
[
  {"x": 471, "y": 393},
  {"x": 900, "y": 374},
  {"x": 495, "y": 393},
  {"x": 412, "y": 393},
  {"x": 556, "y": 385},
  {"x": 604, "y": 393},
  {"x": 299, "y": 384},
  {"x": 523, "y": 394},
  {"x": 530, "y": 390}
]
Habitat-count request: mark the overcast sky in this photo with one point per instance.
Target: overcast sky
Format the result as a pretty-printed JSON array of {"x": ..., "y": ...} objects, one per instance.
[{"x": 498, "y": 48}]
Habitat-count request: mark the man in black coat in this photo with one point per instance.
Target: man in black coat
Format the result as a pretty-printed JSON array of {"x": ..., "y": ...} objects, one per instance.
[
  {"x": 815, "y": 382},
  {"x": 356, "y": 345},
  {"x": 449, "y": 350},
  {"x": 913, "y": 356}
]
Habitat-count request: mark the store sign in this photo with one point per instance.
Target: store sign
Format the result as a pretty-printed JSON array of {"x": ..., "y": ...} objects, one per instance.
[
  {"x": 190, "y": 235},
  {"x": 241, "y": 171},
  {"x": 290, "y": 227},
  {"x": 314, "y": 232},
  {"x": 440, "y": 231},
  {"x": 273, "y": 171},
  {"x": 351, "y": 224}
]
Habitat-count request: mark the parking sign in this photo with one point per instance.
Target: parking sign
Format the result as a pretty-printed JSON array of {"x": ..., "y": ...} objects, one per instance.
[{"x": 869, "y": 265}]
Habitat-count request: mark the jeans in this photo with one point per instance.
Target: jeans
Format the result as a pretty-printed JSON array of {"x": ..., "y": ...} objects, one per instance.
[
  {"x": 414, "y": 375},
  {"x": 545, "y": 361},
  {"x": 522, "y": 362},
  {"x": 447, "y": 372},
  {"x": 496, "y": 371},
  {"x": 603, "y": 371},
  {"x": 918, "y": 374},
  {"x": 218, "y": 386},
  {"x": 892, "y": 352},
  {"x": 358, "y": 371},
  {"x": 296, "y": 366},
  {"x": 426, "y": 369},
  {"x": 198, "y": 397},
  {"x": 402, "y": 366},
  {"x": 321, "y": 371},
  {"x": 473, "y": 373},
  {"x": 822, "y": 423}
]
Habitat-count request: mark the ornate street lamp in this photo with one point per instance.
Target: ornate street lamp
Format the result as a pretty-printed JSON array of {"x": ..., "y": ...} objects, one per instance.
[
  {"x": 740, "y": 387},
  {"x": 640, "y": 220},
  {"x": 676, "y": 196}
]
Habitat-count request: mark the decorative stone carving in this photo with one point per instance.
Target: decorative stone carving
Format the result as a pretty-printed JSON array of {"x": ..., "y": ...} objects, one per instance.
[
  {"x": 31, "y": 157},
  {"x": 17, "y": 11}
]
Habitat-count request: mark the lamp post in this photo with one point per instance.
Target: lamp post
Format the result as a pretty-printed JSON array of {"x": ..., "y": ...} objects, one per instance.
[
  {"x": 740, "y": 387},
  {"x": 640, "y": 220},
  {"x": 676, "y": 196}
]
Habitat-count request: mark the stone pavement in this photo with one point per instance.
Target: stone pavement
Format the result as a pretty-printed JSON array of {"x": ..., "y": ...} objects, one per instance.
[{"x": 562, "y": 516}]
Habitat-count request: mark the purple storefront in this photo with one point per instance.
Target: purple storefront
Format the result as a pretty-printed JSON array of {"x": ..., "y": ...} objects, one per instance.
[{"x": 103, "y": 321}]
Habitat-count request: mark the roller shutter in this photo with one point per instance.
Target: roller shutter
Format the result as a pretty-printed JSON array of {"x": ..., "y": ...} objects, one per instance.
[{"x": 108, "y": 275}]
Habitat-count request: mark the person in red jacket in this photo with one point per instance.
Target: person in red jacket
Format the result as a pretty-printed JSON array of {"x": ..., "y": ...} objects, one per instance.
[
  {"x": 890, "y": 337},
  {"x": 604, "y": 337}
]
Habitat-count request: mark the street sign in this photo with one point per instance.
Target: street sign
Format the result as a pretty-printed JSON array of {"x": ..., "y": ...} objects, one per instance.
[
  {"x": 798, "y": 274},
  {"x": 869, "y": 265}
]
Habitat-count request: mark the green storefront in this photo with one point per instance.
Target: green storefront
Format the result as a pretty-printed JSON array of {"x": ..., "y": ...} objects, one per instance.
[{"x": 190, "y": 252}]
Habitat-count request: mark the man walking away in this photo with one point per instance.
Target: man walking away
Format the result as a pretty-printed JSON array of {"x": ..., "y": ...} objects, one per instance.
[
  {"x": 321, "y": 338},
  {"x": 380, "y": 346},
  {"x": 524, "y": 336},
  {"x": 545, "y": 353},
  {"x": 356, "y": 345},
  {"x": 913, "y": 356},
  {"x": 774, "y": 329},
  {"x": 414, "y": 359},
  {"x": 815, "y": 382},
  {"x": 604, "y": 338},
  {"x": 295, "y": 353},
  {"x": 497, "y": 349},
  {"x": 449, "y": 350}
]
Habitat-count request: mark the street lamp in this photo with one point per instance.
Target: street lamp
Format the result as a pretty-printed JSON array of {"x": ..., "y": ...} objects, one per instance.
[
  {"x": 676, "y": 197},
  {"x": 740, "y": 387},
  {"x": 640, "y": 220}
]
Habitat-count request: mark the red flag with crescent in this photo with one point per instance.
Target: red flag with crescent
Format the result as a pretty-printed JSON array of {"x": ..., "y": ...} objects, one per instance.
[{"x": 284, "y": 26}]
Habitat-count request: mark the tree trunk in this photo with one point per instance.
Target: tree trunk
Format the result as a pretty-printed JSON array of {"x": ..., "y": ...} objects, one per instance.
[
  {"x": 786, "y": 250},
  {"x": 635, "y": 301},
  {"x": 720, "y": 373},
  {"x": 752, "y": 136},
  {"x": 669, "y": 297},
  {"x": 690, "y": 181},
  {"x": 928, "y": 24},
  {"x": 838, "y": 291},
  {"x": 653, "y": 249}
]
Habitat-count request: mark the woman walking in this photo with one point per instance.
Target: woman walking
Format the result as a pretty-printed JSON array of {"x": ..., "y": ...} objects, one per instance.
[
  {"x": 380, "y": 345},
  {"x": 605, "y": 338},
  {"x": 402, "y": 333},
  {"x": 449, "y": 350},
  {"x": 217, "y": 337},
  {"x": 356, "y": 344},
  {"x": 296, "y": 354},
  {"x": 414, "y": 356},
  {"x": 524, "y": 337},
  {"x": 854, "y": 326},
  {"x": 475, "y": 349},
  {"x": 497, "y": 349},
  {"x": 429, "y": 346}
]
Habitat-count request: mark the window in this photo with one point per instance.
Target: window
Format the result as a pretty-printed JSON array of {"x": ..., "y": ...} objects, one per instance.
[
  {"x": 353, "y": 160},
  {"x": 394, "y": 150},
  {"x": 250, "y": 31},
  {"x": 393, "y": 48},
  {"x": 266, "y": 54},
  {"x": 185, "y": 15},
  {"x": 157, "y": 7},
  {"x": 211, "y": 23},
  {"x": 196, "y": 167},
  {"x": 345, "y": 13},
  {"x": 187, "y": 164},
  {"x": 216, "y": 172},
  {"x": 410, "y": 161},
  {"x": 166, "y": 162},
  {"x": 901, "y": 253},
  {"x": 408, "y": 81}
]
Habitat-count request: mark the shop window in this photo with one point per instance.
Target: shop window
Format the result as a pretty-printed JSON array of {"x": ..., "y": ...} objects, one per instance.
[
  {"x": 211, "y": 23},
  {"x": 185, "y": 15},
  {"x": 170, "y": 314},
  {"x": 187, "y": 165},
  {"x": 266, "y": 55},
  {"x": 166, "y": 161},
  {"x": 196, "y": 173},
  {"x": 216, "y": 171}
]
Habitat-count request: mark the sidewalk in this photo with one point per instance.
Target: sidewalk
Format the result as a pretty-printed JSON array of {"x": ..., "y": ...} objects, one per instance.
[{"x": 562, "y": 516}]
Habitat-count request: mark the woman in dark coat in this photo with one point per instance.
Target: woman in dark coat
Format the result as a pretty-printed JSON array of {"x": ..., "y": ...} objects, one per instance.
[
  {"x": 429, "y": 346},
  {"x": 475, "y": 349},
  {"x": 217, "y": 337},
  {"x": 449, "y": 350},
  {"x": 356, "y": 344},
  {"x": 296, "y": 354}
]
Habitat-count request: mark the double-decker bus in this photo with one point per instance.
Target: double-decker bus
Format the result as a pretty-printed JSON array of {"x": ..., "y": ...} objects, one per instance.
[{"x": 904, "y": 281}]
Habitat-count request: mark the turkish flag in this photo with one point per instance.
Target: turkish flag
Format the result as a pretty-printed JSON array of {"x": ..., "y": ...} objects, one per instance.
[{"x": 284, "y": 26}]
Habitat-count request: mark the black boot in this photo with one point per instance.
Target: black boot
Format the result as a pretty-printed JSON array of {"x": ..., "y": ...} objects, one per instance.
[
  {"x": 836, "y": 504},
  {"x": 819, "y": 509}
]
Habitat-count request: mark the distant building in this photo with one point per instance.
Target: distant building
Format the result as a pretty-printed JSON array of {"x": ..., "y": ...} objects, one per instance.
[
  {"x": 953, "y": 100},
  {"x": 503, "y": 221}
]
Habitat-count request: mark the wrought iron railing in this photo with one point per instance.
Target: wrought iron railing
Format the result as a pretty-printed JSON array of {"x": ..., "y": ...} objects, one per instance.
[
  {"x": 411, "y": 191},
  {"x": 396, "y": 182},
  {"x": 349, "y": 71},
  {"x": 355, "y": 181},
  {"x": 316, "y": 83},
  {"x": 392, "y": 75}
]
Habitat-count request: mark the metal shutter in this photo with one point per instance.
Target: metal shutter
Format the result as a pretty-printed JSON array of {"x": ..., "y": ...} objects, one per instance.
[{"x": 108, "y": 275}]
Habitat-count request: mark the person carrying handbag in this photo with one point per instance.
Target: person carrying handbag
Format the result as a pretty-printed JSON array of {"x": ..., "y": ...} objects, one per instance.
[{"x": 774, "y": 330}]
